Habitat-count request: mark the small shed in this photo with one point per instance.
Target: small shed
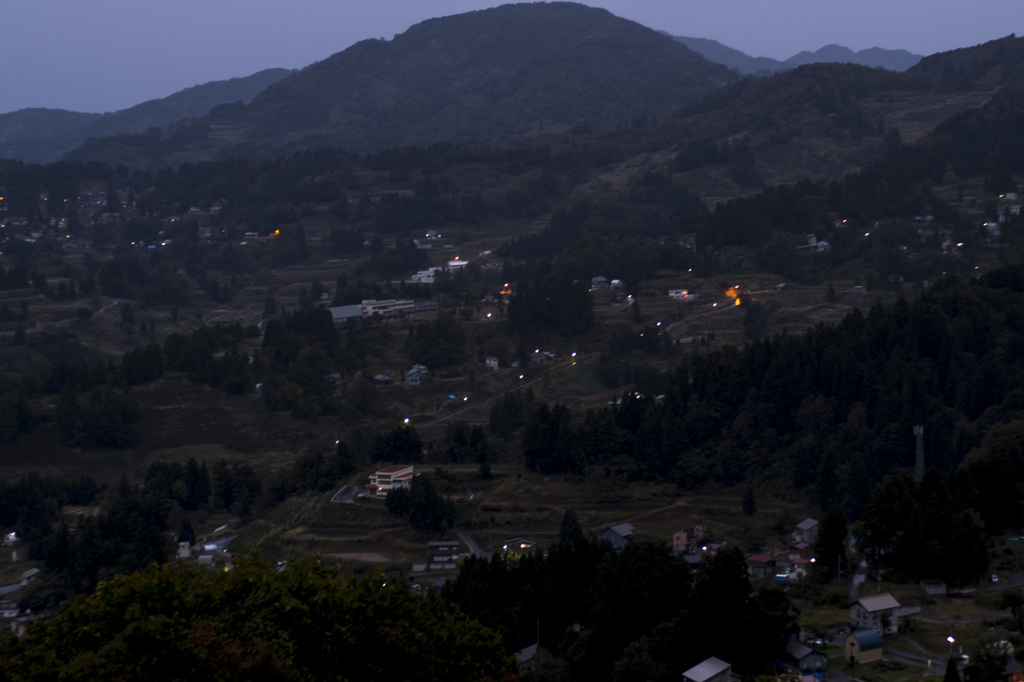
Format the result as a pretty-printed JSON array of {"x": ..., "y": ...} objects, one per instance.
[{"x": 863, "y": 646}]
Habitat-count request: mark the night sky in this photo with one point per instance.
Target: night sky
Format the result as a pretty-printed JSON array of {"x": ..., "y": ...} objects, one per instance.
[{"x": 105, "y": 55}]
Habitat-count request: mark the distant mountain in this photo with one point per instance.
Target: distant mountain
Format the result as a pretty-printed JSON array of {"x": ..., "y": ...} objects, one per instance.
[
  {"x": 893, "y": 60},
  {"x": 734, "y": 59},
  {"x": 43, "y": 135},
  {"x": 511, "y": 70}
]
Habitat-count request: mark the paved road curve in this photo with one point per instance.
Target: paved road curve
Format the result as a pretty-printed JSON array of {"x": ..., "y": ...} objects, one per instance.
[{"x": 474, "y": 549}]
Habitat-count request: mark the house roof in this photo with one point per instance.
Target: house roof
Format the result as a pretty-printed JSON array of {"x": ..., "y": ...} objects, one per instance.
[
  {"x": 524, "y": 655},
  {"x": 622, "y": 529},
  {"x": 867, "y": 639},
  {"x": 798, "y": 650},
  {"x": 807, "y": 524},
  {"x": 706, "y": 669},
  {"x": 879, "y": 602},
  {"x": 618, "y": 542},
  {"x": 759, "y": 558},
  {"x": 395, "y": 469},
  {"x": 343, "y": 312}
]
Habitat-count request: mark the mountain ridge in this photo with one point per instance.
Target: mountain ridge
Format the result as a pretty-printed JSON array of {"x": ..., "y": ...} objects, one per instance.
[
  {"x": 893, "y": 60},
  {"x": 511, "y": 70},
  {"x": 42, "y": 135}
]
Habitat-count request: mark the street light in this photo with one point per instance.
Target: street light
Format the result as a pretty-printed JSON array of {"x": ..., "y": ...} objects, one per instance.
[{"x": 950, "y": 640}]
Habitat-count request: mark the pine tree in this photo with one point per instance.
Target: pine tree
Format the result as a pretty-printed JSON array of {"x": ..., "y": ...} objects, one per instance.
[{"x": 952, "y": 673}]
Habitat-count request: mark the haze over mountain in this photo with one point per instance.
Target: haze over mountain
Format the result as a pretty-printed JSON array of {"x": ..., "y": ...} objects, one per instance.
[{"x": 893, "y": 60}]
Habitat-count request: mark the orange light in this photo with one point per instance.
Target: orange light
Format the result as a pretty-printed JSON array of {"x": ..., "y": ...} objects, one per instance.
[{"x": 737, "y": 300}]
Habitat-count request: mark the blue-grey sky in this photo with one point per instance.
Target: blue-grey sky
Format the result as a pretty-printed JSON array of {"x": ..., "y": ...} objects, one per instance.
[{"x": 105, "y": 55}]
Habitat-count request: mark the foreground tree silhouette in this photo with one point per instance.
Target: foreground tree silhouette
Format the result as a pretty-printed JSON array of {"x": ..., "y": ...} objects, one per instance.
[{"x": 301, "y": 621}]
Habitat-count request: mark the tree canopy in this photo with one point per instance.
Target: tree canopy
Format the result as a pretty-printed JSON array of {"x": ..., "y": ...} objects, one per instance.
[{"x": 297, "y": 621}]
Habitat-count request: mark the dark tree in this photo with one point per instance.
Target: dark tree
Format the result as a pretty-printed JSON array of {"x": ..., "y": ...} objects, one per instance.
[
  {"x": 952, "y": 673},
  {"x": 830, "y": 545},
  {"x": 749, "y": 503},
  {"x": 570, "y": 532}
]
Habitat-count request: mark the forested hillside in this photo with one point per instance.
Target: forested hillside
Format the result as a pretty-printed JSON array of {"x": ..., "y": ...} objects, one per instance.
[{"x": 523, "y": 69}]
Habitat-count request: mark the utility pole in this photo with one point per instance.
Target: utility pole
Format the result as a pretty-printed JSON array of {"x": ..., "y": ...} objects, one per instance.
[{"x": 919, "y": 456}]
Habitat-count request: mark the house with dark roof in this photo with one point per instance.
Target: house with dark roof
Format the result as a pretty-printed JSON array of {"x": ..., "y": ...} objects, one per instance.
[
  {"x": 804, "y": 660},
  {"x": 442, "y": 555},
  {"x": 760, "y": 565},
  {"x": 618, "y": 535},
  {"x": 804, "y": 535},
  {"x": 878, "y": 611}
]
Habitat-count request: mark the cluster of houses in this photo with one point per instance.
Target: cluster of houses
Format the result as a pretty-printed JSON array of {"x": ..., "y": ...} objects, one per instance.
[
  {"x": 11, "y": 613},
  {"x": 872, "y": 617},
  {"x": 418, "y": 373}
]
